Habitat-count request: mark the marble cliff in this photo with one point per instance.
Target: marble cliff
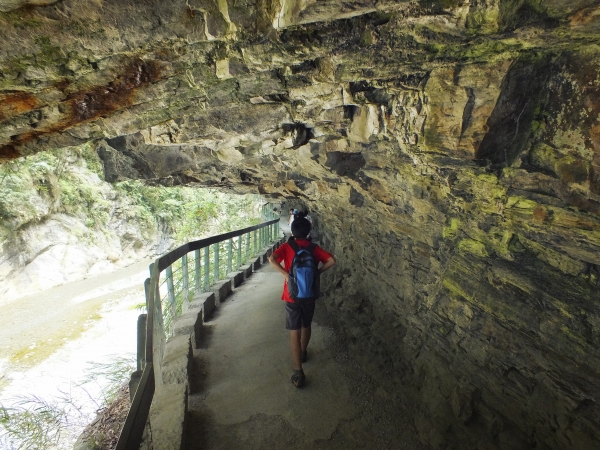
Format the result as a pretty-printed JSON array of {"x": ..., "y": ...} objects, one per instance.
[{"x": 449, "y": 152}]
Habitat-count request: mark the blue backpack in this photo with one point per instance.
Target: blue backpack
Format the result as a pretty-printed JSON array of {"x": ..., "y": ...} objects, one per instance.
[{"x": 303, "y": 283}]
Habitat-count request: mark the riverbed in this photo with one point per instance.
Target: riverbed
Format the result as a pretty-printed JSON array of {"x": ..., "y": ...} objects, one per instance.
[{"x": 62, "y": 347}]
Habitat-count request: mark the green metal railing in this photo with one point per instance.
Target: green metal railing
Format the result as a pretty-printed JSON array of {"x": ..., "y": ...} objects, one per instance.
[
  {"x": 197, "y": 270},
  {"x": 175, "y": 279}
]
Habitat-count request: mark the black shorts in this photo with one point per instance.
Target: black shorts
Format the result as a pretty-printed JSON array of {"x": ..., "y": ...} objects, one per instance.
[{"x": 298, "y": 316}]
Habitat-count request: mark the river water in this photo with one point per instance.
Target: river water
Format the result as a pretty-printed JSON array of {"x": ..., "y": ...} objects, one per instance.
[{"x": 61, "y": 348}]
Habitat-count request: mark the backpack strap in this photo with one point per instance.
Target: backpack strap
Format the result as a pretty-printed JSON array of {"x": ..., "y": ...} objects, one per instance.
[
  {"x": 310, "y": 247},
  {"x": 294, "y": 246}
]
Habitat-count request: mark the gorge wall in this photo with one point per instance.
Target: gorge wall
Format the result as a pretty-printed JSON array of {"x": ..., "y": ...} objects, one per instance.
[
  {"x": 60, "y": 222},
  {"x": 449, "y": 153}
]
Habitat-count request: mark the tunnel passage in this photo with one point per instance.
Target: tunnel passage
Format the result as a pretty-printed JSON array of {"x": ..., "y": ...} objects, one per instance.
[{"x": 452, "y": 165}]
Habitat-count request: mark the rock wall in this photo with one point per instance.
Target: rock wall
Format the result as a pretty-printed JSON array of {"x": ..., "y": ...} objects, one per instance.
[
  {"x": 468, "y": 266},
  {"x": 51, "y": 237},
  {"x": 449, "y": 153}
]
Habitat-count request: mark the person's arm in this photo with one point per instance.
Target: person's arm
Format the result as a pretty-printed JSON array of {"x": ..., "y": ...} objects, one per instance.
[
  {"x": 327, "y": 265},
  {"x": 277, "y": 266}
]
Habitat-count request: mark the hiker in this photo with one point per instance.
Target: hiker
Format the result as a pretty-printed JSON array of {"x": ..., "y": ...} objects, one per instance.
[
  {"x": 307, "y": 217},
  {"x": 291, "y": 218},
  {"x": 299, "y": 313}
]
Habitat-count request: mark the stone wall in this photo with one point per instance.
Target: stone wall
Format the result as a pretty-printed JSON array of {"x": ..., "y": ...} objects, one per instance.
[{"x": 474, "y": 281}]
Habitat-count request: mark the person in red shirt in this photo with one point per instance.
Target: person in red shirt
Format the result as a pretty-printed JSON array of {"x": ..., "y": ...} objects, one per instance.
[{"x": 298, "y": 316}]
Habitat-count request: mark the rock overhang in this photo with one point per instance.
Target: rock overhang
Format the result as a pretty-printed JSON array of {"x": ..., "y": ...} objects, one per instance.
[{"x": 449, "y": 150}]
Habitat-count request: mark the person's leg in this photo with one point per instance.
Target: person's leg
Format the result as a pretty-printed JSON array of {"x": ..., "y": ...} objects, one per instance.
[
  {"x": 293, "y": 323},
  {"x": 304, "y": 340},
  {"x": 305, "y": 337},
  {"x": 295, "y": 336}
]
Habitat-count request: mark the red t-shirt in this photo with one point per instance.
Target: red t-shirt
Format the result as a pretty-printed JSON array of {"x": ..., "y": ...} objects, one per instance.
[{"x": 286, "y": 254}]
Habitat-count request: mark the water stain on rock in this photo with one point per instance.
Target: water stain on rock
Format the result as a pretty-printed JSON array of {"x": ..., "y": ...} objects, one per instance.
[
  {"x": 116, "y": 95},
  {"x": 14, "y": 104},
  {"x": 82, "y": 106}
]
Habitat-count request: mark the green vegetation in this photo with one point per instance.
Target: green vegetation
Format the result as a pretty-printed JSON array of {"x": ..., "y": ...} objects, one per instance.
[
  {"x": 35, "y": 423},
  {"x": 190, "y": 213},
  {"x": 32, "y": 423},
  {"x": 69, "y": 181}
]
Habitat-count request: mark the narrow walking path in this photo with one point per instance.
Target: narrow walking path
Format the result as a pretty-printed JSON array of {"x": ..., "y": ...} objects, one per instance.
[{"x": 242, "y": 397}]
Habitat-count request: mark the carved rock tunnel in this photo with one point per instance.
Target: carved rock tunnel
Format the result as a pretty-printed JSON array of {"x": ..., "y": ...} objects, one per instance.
[{"x": 449, "y": 151}]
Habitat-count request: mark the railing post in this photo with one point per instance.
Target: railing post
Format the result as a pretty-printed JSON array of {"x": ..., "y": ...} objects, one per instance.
[
  {"x": 254, "y": 239},
  {"x": 216, "y": 262},
  {"x": 150, "y": 311},
  {"x": 239, "y": 252},
  {"x": 206, "y": 269},
  {"x": 171, "y": 292},
  {"x": 249, "y": 235},
  {"x": 197, "y": 270},
  {"x": 186, "y": 283},
  {"x": 229, "y": 255},
  {"x": 141, "y": 341}
]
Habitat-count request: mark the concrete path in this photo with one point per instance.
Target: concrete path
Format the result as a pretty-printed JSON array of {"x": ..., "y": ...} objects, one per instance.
[{"x": 242, "y": 397}]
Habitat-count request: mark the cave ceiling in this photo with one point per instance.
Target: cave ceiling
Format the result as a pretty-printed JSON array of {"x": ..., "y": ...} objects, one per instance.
[{"x": 272, "y": 96}]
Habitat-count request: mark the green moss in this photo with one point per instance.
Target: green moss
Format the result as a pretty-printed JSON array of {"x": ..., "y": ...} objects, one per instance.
[
  {"x": 514, "y": 244},
  {"x": 498, "y": 241},
  {"x": 517, "y": 13},
  {"x": 569, "y": 168},
  {"x": 455, "y": 289},
  {"x": 366, "y": 38},
  {"x": 49, "y": 54},
  {"x": 436, "y": 5},
  {"x": 20, "y": 19},
  {"x": 520, "y": 203},
  {"x": 92, "y": 160},
  {"x": 542, "y": 156},
  {"x": 12, "y": 67},
  {"x": 81, "y": 199},
  {"x": 482, "y": 21},
  {"x": 487, "y": 49},
  {"x": 452, "y": 228},
  {"x": 474, "y": 247},
  {"x": 487, "y": 178},
  {"x": 17, "y": 186}
]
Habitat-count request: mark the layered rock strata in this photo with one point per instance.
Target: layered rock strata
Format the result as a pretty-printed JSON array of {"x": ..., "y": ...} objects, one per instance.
[{"x": 449, "y": 153}]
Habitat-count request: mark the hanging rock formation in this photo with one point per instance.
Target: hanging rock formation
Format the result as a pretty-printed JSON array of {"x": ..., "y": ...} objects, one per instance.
[{"x": 449, "y": 152}]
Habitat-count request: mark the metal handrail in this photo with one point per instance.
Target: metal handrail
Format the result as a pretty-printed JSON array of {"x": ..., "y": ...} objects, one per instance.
[{"x": 155, "y": 337}]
